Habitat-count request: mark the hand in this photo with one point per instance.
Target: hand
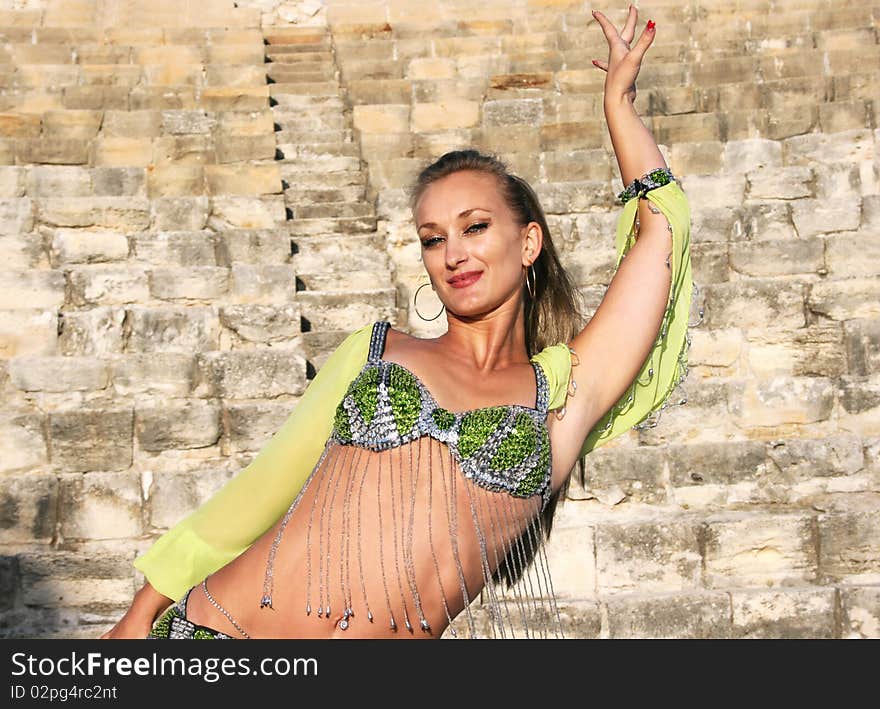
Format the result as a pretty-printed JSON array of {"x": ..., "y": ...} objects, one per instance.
[{"x": 624, "y": 61}]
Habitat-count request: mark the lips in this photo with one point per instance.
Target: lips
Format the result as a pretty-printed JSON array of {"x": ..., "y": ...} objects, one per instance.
[{"x": 463, "y": 280}]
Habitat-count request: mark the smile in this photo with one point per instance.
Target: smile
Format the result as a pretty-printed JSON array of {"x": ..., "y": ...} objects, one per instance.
[{"x": 465, "y": 279}]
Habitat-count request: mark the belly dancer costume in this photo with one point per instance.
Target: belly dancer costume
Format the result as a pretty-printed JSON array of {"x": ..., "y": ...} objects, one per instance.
[{"x": 437, "y": 504}]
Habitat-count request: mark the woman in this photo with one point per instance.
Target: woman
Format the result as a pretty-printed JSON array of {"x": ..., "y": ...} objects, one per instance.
[{"x": 416, "y": 474}]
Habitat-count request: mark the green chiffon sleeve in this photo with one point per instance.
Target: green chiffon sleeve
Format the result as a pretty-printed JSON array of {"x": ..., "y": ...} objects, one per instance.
[
  {"x": 666, "y": 365},
  {"x": 251, "y": 502}
]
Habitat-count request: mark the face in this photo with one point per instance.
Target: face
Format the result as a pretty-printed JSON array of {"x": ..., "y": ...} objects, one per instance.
[{"x": 472, "y": 247}]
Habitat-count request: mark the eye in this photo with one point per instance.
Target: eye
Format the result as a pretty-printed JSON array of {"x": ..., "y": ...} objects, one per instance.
[
  {"x": 428, "y": 243},
  {"x": 474, "y": 228}
]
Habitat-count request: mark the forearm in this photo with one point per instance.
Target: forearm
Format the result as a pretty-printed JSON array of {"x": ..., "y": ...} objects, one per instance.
[
  {"x": 149, "y": 602},
  {"x": 634, "y": 146}
]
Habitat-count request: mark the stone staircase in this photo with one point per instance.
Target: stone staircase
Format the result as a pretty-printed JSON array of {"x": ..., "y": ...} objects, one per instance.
[{"x": 198, "y": 203}]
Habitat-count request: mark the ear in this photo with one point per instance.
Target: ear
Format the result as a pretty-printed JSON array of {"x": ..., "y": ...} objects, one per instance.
[{"x": 533, "y": 242}]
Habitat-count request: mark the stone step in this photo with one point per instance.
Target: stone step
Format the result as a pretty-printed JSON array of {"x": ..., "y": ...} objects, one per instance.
[
  {"x": 299, "y": 195},
  {"x": 315, "y": 137},
  {"x": 307, "y": 57},
  {"x": 343, "y": 281},
  {"x": 347, "y": 311},
  {"x": 332, "y": 254},
  {"x": 318, "y": 163},
  {"x": 299, "y": 179},
  {"x": 274, "y": 36},
  {"x": 305, "y": 88},
  {"x": 282, "y": 52},
  {"x": 308, "y": 150},
  {"x": 304, "y": 77},
  {"x": 334, "y": 210},
  {"x": 305, "y": 102},
  {"x": 295, "y": 72},
  {"x": 316, "y": 119},
  {"x": 321, "y": 227}
]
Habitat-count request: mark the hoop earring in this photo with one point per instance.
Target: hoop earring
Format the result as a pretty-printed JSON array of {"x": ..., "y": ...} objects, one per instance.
[
  {"x": 416, "y": 307},
  {"x": 532, "y": 288}
]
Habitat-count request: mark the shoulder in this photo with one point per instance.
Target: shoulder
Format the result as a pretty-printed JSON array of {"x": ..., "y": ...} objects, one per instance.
[{"x": 555, "y": 361}]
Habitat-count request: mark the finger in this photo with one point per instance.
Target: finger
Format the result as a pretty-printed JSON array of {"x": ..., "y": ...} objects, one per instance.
[
  {"x": 600, "y": 64},
  {"x": 645, "y": 40},
  {"x": 629, "y": 29},
  {"x": 610, "y": 30}
]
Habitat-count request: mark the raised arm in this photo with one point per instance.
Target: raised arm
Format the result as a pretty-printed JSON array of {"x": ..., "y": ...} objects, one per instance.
[{"x": 629, "y": 356}]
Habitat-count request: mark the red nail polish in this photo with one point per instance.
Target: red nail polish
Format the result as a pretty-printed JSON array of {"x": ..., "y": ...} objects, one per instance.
[{"x": 651, "y": 25}]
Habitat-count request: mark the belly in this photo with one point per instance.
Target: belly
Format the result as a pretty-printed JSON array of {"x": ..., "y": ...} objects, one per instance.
[{"x": 393, "y": 543}]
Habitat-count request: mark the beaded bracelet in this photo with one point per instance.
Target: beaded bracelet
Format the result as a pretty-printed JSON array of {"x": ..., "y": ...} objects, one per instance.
[{"x": 649, "y": 181}]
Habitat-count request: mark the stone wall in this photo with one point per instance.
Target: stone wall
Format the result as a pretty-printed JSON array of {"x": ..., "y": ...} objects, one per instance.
[{"x": 198, "y": 201}]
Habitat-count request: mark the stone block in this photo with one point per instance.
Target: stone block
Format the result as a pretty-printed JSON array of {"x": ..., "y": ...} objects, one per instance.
[
  {"x": 446, "y": 115},
  {"x": 58, "y": 374},
  {"x": 117, "y": 213},
  {"x": 91, "y": 581},
  {"x": 845, "y": 148},
  {"x": 780, "y": 183},
  {"x": 16, "y": 215},
  {"x": 175, "y": 180},
  {"x": 755, "y": 304},
  {"x": 27, "y": 331},
  {"x": 173, "y": 425},
  {"x": 237, "y": 74},
  {"x": 702, "y": 158},
  {"x": 675, "y": 615},
  {"x": 379, "y": 91},
  {"x": 190, "y": 283},
  {"x": 845, "y": 299},
  {"x": 860, "y": 401},
  {"x": 249, "y": 374},
  {"x": 44, "y": 181},
  {"x": 22, "y": 253},
  {"x": 118, "y": 182},
  {"x": 783, "y": 400},
  {"x": 760, "y": 549},
  {"x": 22, "y": 443},
  {"x": 71, "y": 246},
  {"x": 179, "y": 150},
  {"x": 686, "y": 128},
  {"x": 714, "y": 464},
  {"x": 154, "y": 374},
  {"x": 816, "y": 350},
  {"x": 715, "y": 190},
  {"x": 91, "y": 439},
  {"x": 28, "y": 508},
  {"x": 748, "y": 155},
  {"x": 96, "y": 331},
  {"x": 262, "y": 284},
  {"x": 849, "y": 537},
  {"x": 32, "y": 289},
  {"x": 389, "y": 118},
  {"x": 236, "y": 212},
  {"x": 784, "y": 614},
  {"x": 178, "y": 248},
  {"x": 762, "y": 221},
  {"x": 251, "y": 425},
  {"x": 636, "y": 473},
  {"x": 513, "y": 112},
  {"x": 848, "y": 256},
  {"x": 142, "y": 125},
  {"x": 262, "y": 323},
  {"x": 101, "y": 505},
  {"x": 862, "y": 341},
  {"x": 105, "y": 285},
  {"x": 253, "y": 246},
  {"x": 860, "y": 612},
  {"x": 52, "y": 151},
  {"x": 182, "y": 329},
  {"x": 844, "y": 115},
  {"x": 243, "y": 179},
  {"x": 648, "y": 557},
  {"x": 180, "y": 213},
  {"x": 17, "y": 125},
  {"x": 13, "y": 181},
  {"x": 715, "y": 224},
  {"x": 772, "y": 258},
  {"x": 802, "y": 459},
  {"x": 242, "y": 148},
  {"x": 174, "y": 495},
  {"x": 72, "y": 125}
]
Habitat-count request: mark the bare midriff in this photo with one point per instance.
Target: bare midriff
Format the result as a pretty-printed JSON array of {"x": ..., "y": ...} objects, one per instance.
[{"x": 373, "y": 531}]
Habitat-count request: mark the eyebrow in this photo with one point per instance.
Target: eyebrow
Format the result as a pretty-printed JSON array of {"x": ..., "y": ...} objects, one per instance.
[{"x": 465, "y": 213}]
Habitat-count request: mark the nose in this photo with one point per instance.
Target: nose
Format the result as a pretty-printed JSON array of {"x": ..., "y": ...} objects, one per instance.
[{"x": 455, "y": 251}]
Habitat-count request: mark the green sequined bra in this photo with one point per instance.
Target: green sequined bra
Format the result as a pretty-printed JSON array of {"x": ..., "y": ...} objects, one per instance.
[
  {"x": 499, "y": 447},
  {"x": 414, "y": 511}
]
